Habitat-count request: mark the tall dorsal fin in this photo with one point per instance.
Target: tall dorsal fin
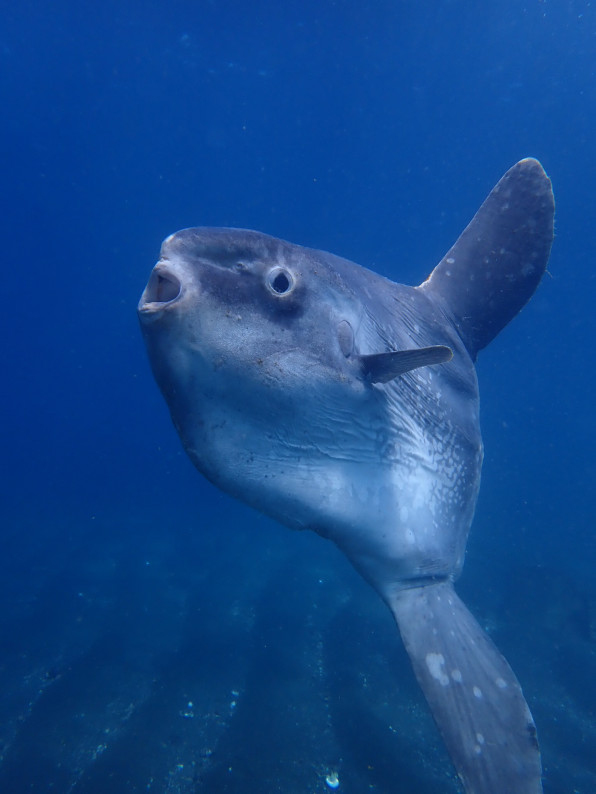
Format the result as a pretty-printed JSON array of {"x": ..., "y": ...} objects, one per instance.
[{"x": 495, "y": 266}]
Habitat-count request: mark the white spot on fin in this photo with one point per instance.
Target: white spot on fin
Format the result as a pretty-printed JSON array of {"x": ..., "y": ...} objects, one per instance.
[{"x": 435, "y": 663}]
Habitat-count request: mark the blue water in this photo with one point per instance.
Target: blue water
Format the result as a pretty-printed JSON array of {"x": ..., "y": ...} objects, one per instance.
[{"x": 154, "y": 635}]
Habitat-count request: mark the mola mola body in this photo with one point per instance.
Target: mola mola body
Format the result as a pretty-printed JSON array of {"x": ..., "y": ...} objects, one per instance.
[{"x": 335, "y": 400}]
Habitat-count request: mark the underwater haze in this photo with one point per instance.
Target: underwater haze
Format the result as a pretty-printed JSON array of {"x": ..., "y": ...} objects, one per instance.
[{"x": 155, "y": 635}]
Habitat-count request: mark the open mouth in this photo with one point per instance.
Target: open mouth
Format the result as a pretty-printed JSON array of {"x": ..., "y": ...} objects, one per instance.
[{"x": 162, "y": 289}]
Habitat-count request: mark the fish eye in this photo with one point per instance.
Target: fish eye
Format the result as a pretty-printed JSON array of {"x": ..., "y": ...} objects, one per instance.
[{"x": 280, "y": 281}]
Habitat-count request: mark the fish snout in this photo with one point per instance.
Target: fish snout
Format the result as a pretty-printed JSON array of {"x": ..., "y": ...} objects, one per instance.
[{"x": 163, "y": 289}]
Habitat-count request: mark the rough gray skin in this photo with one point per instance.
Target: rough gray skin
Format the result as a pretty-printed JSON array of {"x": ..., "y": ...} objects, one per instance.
[{"x": 313, "y": 390}]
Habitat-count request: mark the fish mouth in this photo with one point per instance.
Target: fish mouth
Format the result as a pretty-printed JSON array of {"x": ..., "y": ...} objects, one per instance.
[{"x": 162, "y": 290}]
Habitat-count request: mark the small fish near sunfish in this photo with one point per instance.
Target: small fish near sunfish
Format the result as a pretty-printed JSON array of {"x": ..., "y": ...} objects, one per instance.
[{"x": 333, "y": 399}]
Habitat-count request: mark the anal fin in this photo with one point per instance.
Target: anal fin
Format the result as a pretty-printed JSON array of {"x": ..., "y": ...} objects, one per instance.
[{"x": 473, "y": 693}]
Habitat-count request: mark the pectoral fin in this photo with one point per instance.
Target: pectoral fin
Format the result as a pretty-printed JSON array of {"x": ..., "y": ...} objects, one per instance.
[
  {"x": 473, "y": 694},
  {"x": 383, "y": 367}
]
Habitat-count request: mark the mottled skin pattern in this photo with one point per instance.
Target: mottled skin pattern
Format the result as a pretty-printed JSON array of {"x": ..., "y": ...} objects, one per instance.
[{"x": 260, "y": 348}]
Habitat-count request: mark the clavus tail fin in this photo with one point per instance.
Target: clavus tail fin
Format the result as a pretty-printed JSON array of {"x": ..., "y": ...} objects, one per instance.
[{"x": 472, "y": 692}]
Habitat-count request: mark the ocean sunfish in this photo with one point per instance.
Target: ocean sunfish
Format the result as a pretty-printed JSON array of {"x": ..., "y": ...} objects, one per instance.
[{"x": 333, "y": 399}]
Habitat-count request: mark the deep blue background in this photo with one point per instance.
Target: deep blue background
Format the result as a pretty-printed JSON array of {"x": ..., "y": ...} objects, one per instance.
[{"x": 373, "y": 130}]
